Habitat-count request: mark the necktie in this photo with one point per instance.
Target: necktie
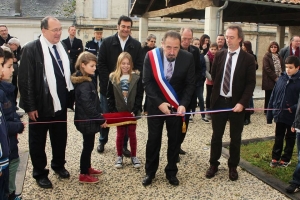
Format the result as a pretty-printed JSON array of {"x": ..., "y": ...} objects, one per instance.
[
  {"x": 169, "y": 71},
  {"x": 58, "y": 59},
  {"x": 226, "y": 82},
  {"x": 71, "y": 41}
]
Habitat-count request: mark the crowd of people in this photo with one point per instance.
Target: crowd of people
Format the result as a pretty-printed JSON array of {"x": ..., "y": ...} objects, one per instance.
[{"x": 53, "y": 75}]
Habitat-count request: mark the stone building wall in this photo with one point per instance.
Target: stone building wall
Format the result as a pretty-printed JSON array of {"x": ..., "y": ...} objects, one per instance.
[{"x": 27, "y": 29}]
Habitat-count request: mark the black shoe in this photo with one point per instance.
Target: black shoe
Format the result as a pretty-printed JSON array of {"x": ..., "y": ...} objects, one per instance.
[
  {"x": 126, "y": 153},
  {"x": 246, "y": 122},
  {"x": 63, "y": 173},
  {"x": 178, "y": 159},
  {"x": 292, "y": 188},
  {"x": 100, "y": 148},
  {"x": 173, "y": 180},
  {"x": 211, "y": 172},
  {"x": 233, "y": 174},
  {"x": 44, "y": 182},
  {"x": 147, "y": 181},
  {"x": 182, "y": 152}
]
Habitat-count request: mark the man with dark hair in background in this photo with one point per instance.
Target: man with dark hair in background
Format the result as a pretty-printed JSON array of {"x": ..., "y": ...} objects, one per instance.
[
  {"x": 74, "y": 46},
  {"x": 221, "y": 42}
]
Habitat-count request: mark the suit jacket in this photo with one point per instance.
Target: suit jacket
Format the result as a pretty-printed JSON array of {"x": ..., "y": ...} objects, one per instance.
[
  {"x": 244, "y": 77},
  {"x": 74, "y": 52},
  {"x": 182, "y": 81}
]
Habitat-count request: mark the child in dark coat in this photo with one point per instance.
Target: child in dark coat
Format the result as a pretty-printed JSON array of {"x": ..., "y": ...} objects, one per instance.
[
  {"x": 4, "y": 142},
  {"x": 88, "y": 114},
  {"x": 283, "y": 101},
  {"x": 14, "y": 124}
]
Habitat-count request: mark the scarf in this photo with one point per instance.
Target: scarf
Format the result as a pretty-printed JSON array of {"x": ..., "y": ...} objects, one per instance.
[
  {"x": 277, "y": 64},
  {"x": 210, "y": 57},
  {"x": 297, "y": 52},
  {"x": 49, "y": 71}
]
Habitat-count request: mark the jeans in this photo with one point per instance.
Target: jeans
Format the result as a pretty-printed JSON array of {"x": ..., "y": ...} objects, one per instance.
[
  {"x": 199, "y": 93},
  {"x": 296, "y": 175},
  {"x": 104, "y": 131},
  {"x": 121, "y": 132}
]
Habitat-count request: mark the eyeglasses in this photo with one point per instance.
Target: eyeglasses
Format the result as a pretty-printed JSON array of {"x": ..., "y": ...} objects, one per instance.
[
  {"x": 275, "y": 47},
  {"x": 187, "y": 39},
  {"x": 56, "y": 30}
]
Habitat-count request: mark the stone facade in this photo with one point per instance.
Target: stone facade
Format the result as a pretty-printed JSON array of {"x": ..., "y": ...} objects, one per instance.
[
  {"x": 260, "y": 36},
  {"x": 28, "y": 28}
]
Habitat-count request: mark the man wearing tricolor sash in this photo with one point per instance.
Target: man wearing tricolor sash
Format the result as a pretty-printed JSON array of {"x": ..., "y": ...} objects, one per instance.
[{"x": 169, "y": 81}]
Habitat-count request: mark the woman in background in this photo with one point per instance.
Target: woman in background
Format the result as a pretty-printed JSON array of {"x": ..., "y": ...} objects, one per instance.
[{"x": 273, "y": 66}]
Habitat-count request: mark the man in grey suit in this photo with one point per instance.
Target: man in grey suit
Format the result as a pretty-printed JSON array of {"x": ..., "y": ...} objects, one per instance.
[
  {"x": 233, "y": 73},
  {"x": 174, "y": 72}
]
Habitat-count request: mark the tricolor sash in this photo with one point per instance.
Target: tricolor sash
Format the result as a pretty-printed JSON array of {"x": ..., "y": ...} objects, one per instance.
[{"x": 159, "y": 75}]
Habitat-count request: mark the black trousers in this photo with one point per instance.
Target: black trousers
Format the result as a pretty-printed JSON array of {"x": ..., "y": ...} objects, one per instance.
[
  {"x": 267, "y": 99},
  {"x": 174, "y": 132},
  {"x": 208, "y": 95},
  {"x": 219, "y": 121},
  {"x": 85, "y": 158},
  {"x": 283, "y": 131},
  {"x": 37, "y": 143},
  {"x": 15, "y": 83}
]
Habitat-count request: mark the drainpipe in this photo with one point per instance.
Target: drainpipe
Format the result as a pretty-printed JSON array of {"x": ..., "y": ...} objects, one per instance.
[
  {"x": 218, "y": 15},
  {"x": 257, "y": 38},
  {"x": 17, "y": 7}
]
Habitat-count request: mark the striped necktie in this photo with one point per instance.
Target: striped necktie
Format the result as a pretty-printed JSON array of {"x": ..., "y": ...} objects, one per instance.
[
  {"x": 226, "y": 81},
  {"x": 169, "y": 72}
]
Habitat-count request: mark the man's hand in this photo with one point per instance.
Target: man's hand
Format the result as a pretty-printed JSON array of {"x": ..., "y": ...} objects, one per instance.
[
  {"x": 293, "y": 129},
  {"x": 104, "y": 125},
  {"x": 33, "y": 115},
  {"x": 238, "y": 108},
  {"x": 181, "y": 111},
  {"x": 164, "y": 107}
]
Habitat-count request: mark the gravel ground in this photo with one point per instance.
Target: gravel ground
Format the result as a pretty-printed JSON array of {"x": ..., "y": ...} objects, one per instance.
[{"x": 126, "y": 183}]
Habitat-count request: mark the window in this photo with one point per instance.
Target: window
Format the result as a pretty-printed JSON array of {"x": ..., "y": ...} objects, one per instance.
[{"x": 100, "y": 9}]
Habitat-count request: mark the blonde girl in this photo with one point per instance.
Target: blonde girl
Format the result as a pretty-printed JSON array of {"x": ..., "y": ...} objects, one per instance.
[{"x": 125, "y": 94}]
